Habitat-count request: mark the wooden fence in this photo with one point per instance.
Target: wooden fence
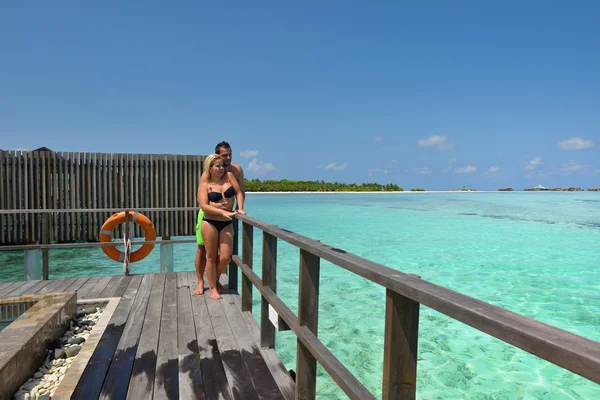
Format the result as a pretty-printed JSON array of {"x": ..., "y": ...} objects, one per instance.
[{"x": 61, "y": 180}]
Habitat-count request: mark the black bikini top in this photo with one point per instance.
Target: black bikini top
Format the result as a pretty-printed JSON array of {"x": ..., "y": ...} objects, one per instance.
[{"x": 216, "y": 196}]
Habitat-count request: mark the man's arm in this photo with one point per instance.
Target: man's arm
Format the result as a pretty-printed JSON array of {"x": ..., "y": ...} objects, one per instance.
[{"x": 240, "y": 179}]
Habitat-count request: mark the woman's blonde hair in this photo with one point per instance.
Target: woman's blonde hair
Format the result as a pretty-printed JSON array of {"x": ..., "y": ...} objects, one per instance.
[{"x": 209, "y": 162}]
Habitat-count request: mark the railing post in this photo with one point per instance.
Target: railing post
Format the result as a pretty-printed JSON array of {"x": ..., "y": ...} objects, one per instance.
[
  {"x": 33, "y": 264},
  {"x": 269, "y": 278},
  {"x": 233, "y": 268},
  {"x": 166, "y": 256},
  {"x": 45, "y": 240},
  {"x": 400, "y": 347},
  {"x": 308, "y": 315},
  {"x": 247, "y": 254}
]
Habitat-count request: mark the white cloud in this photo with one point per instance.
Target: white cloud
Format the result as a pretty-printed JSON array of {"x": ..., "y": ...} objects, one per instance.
[
  {"x": 447, "y": 169},
  {"x": 466, "y": 170},
  {"x": 571, "y": 167},
  {"x": 493, "y": 170},
  {"x": 533, "y": 163},
  {"x": 249, "y": 153},
  {"x": 394, "y": 162},
  {"x": 440, "y": 142},
  {"x": 575, "y": 143},
  {"x": 422, "y": 171},
  {"x": 377, "y": 139},
  {"x": 334, "y": 167},
  {"x": 260, "y": 167}
]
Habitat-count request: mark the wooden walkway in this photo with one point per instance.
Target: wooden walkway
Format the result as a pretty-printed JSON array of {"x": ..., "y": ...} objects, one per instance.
[{"x": 163, "y": 342}]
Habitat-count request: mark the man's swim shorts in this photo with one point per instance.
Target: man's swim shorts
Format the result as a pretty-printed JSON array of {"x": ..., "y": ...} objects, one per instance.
[{"x": 199, "y": 239}]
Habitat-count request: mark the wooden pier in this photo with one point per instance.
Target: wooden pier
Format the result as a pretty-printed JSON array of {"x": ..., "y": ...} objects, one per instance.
[
  {"x": 163, "y": 341},
  {"x": 190, "y": 346}
]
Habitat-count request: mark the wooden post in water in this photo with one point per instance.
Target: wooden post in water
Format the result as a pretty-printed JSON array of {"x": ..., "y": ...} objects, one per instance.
[
  {"x": 247, "y": 254},
  {"x": 233, "y": 268},
  {"x": 400, "y": 347},
  {"x": 166, "y": 256},
  {"x": 308, "y": 315},
  {"x": 269, "y": 278}
]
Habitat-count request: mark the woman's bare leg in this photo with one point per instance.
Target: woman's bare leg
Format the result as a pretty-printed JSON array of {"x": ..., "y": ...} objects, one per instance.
[
  {"x": 211, "y": 243},
  {"x": 200, "y": 264},
  {"x": 225, "y": 244}
]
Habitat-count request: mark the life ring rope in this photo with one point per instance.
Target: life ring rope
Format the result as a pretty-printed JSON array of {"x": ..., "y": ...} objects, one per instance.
[{"x": 118, "y": 218}]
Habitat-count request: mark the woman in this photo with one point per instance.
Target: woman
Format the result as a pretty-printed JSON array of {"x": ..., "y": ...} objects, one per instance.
[{"x": 216, "y": 194}]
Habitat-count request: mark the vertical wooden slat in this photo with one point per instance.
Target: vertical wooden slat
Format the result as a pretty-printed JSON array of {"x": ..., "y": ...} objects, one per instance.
[
  {"x": 269, "y": 278},
  {"x": 19, "y": 202},
  {"x": 176, "y": 194},
  {"x": 11, "y": 200},
  {"x": 105, "y": 186},
  {"x": 34, "y": 193},
  {"x": 40, "y": 183},
  {"x": 88, "y": 194},
  {"x": 55, "y": 198},
  {"x": 65, "y": 191},
  {"x": 400, "y": 347},
  {"x": 94, "y": 202},
  {"x": 3, "y": 191},
  {"x": 247, "y": 254},
  {"x": 233, "y": 268},
  {"x": 308, "y": 315},
  {"x": 165, "y": 195},
  {"x": 24, "y": 194},
  {"x": 72, "y": 195},
  {"x": 138, "y": 176},
  {"x": 80, "y": 188},
  {"x": 186, "y": 197},
  {"x": 45, "y": 240}
]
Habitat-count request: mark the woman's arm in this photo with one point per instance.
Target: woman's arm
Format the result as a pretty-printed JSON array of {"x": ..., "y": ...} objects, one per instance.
[
  {"x": 203, "y": 200},
  {"x": 239, "y": 194}
]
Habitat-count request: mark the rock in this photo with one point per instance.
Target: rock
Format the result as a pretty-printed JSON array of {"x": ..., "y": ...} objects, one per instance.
[
  {"x": 52, "y": 378},
  {"x": 63, "y": 370},
  {"x": 78, "y": 340},
  {"x": 89, "y": 310},
  {"x": 59, "y": 353},
  {"x": 72, "y": 351},
  {"x": 56, "y": 344},
  {"x": 80, "y": 330},
  {"x": 80, "y": 314},
  {"x": 38, "y": 375},
  {"x": 86, "y": 322}
]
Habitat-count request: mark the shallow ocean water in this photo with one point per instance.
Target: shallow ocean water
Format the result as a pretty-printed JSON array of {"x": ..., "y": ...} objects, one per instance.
[{"x": 534, "y": 253}]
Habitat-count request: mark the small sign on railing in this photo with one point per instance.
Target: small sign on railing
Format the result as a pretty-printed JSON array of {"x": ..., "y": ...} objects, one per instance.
[{"x": 276, "y": 320}]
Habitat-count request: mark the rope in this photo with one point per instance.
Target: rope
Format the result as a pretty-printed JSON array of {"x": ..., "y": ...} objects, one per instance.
[{"x": 127, "y": 246}]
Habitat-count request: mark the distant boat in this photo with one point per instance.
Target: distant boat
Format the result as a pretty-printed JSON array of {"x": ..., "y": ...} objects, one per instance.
[{"x": 540, "y": 187}]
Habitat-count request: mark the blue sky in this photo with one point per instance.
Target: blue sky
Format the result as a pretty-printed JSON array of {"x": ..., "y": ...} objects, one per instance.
[{"x": 432, "y": 94}]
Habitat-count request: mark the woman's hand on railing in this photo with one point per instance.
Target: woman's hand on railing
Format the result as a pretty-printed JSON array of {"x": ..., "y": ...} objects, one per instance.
[
  {"x": 228, "y": 214},
  {"x": 240, "y": 211}
]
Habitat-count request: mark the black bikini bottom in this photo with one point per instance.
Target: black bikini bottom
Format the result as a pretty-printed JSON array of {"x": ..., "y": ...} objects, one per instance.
[{"x": 217, "y": 224}]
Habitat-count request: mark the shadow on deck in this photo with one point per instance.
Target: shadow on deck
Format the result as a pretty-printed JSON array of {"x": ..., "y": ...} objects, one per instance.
[{"x": 162, "y": 341}]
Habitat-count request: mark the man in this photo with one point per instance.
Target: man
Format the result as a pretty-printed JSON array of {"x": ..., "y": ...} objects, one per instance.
[{"x": 224, "y": 150}]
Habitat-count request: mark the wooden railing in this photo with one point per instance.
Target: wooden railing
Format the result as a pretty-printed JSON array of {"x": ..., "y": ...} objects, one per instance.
[{"x": 404, "y": 295}]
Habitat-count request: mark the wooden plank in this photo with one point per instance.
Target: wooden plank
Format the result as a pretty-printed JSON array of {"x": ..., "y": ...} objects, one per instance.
[
  {"x": 11, "y": 287},
  {"x": 259, "y": 373},
  {"x": 50, "y": 288},
  {"x": 247, "y": 258},
  {"x": 308, "y": 315},
  {"x": 213, "y": 374},
  {"x": 55, "y": 195},
  {"x": 94, "y": 202},
  {"x": 66, "y": 233},
  {"x": 119, "y": 372},
  {"x": 110, "y": 287},
  {"x": 14, "y": 190},
  {"x": 191, "y": 385},
  {"x": 116, "y": 287},
  {"x": 5, "y": 284},
  {"x": 166, "y": 380},
  {"x": 88, "y": 201},
  {"x": 91, "y": 381},
  {"x": 233, "y": 362},
  {"x": 176, "y": 195},
  {"x": 78, "y": 284},
  {"x": 73, "y": 168},
  {"x": 63, "y": 284},
  {"x": 278, "y": 370},
  {"x": 99, "y": 288},
  {"x": 3, "y": 192},
  {"x": 141, "y": 385},
  {"x": 400, "y": 347},
  {"x": 87, "y": 286},
  {"x": 269, "y": 279},
  {"x": 25, "y": 192},
  {"x": 38, "y": 286},
  {"x": 18, "y": 291}
]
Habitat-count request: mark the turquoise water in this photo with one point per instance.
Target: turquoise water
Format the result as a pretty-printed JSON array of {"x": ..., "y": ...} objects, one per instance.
[{"x": 532, "y": 253}]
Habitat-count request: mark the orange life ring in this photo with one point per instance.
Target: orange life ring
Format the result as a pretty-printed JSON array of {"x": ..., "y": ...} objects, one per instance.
[{"x": 118, "y": 218}]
